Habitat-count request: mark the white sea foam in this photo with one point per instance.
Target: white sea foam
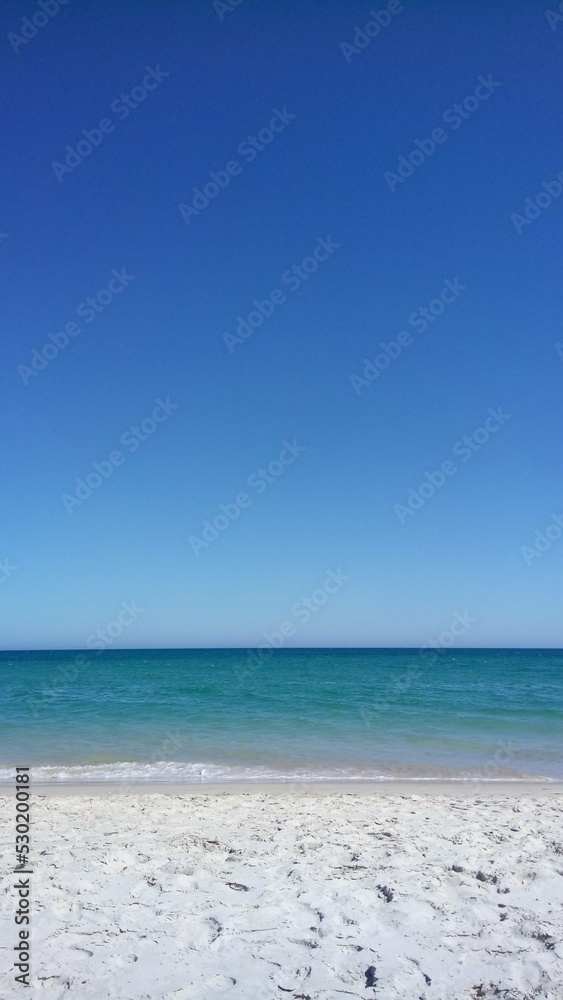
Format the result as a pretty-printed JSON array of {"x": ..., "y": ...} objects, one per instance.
[{"x": 182, "y": 772}]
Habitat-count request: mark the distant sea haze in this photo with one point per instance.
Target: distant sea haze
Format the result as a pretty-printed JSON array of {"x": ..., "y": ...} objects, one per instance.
[{"x": 296, "y": 715}]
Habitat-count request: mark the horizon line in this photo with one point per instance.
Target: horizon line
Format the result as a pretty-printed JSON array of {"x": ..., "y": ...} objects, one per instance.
[{"x": 284, "y": 649}]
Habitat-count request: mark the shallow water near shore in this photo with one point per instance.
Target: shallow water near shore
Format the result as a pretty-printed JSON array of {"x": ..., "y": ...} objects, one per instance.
[{"x": 295, "y": 715}]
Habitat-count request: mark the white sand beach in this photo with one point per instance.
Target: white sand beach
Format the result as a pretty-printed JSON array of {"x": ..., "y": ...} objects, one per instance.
[{"x": 389, "y": 896}]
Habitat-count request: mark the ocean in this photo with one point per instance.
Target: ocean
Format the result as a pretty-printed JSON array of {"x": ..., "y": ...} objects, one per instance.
[{"x": 290, "y": 715}]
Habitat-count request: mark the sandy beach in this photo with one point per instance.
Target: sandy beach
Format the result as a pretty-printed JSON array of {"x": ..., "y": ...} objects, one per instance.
[{"x": 416, "y": 893}]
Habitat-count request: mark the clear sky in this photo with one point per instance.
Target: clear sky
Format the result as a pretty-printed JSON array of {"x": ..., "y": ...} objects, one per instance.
[{"x": 158, "y": 96}]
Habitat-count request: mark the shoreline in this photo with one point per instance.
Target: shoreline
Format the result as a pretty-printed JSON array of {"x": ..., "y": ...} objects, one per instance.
[{"x": 391, "y": 787}]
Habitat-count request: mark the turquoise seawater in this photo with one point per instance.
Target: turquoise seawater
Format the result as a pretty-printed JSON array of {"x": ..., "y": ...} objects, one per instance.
[{"x": 217, "y": 715}]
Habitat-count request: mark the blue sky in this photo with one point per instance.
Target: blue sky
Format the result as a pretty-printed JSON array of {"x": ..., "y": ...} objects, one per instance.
[{"x": 162, "y": 96}]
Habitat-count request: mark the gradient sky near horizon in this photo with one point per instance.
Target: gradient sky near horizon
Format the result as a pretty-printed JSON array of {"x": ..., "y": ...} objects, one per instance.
[{"x": 161, "y": 337}]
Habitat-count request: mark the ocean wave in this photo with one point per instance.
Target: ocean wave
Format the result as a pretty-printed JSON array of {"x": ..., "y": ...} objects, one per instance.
[{"x": 181, "y": 772}]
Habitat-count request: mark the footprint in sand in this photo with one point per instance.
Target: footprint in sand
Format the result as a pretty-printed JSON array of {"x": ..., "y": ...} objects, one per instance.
[
  {"x": 128, "y": 959},
  {"x": 198, "y": 934},
  {"x": 86, "y": 951},
  {"x": 66, "y": 908},
  {"x": 220, "y": 982}
]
